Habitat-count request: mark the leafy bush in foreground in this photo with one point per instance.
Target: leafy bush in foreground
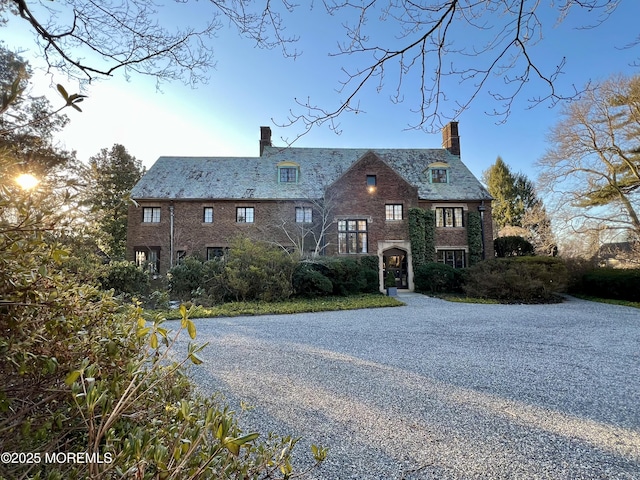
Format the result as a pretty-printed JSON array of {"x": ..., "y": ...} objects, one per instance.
[
  {"x": 517, "y": 279},
  {"x": 81, "y": 373}
]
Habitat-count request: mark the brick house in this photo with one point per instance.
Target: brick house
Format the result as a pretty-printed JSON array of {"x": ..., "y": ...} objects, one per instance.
[{"x": 321, "y": 201}]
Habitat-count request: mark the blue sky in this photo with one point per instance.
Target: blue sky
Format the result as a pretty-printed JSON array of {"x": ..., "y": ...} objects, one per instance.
[{"x": 251, "y": 87}]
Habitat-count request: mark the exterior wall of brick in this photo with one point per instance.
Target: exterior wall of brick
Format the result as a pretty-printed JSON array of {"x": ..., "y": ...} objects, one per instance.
[
  {"x": 456, "y": 237},
  {"x": 349, "y": 198},
  {"x": 354, "y": 199},
  {"x": 274, "y": 221}
]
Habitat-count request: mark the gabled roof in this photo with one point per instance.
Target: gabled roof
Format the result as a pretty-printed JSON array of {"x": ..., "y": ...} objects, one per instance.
[{"x": 257, "y": 177}]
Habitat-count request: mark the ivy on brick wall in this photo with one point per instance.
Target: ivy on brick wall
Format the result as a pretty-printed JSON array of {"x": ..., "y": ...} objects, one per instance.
[
  {"x": 422, "y": 234},
  {"x": 417, "y": 236},
  {"x": 474, "y": 237},
  {"x": 430, "y": 235}
]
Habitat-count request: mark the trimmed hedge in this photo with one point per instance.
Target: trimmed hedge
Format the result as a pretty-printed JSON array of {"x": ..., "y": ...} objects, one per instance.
[
  {"x": 517, "y": 279},
  {"x": 513, "y": 246},
  {"x": 309, "y": 282},
  {"x": 618, "y": 284},
  {"x": 347, "y": 276},
  {"x": 437, "y": 278}
]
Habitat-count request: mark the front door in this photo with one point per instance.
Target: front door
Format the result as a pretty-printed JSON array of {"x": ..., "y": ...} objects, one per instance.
[{"x": 395, "y": 260}]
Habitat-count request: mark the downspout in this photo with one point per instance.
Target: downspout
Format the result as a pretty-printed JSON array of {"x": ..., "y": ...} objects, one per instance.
[
  {"x": 171, "y": 208},
  {"x": 481, "y": 209}
]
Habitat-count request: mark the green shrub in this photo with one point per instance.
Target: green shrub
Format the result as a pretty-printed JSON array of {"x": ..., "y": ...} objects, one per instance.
[
  {"x": 158, "y": 300},
  {"x": 437, "y": 278},
  {"x": 370, "y": 273},
  {"x": 390, "y": 280},
  {"x": 258, "y": 271},
  {"x": 517, "y": 279},
  {"x": 576, "y": 270},
  {"x": 125, "y": 278},
  {"x": 346, "y": 276},
  {"x": 513, "y": 246},
  {"x": 618, "y": 284},
  {"x": 309, "y": 282},
  {"x": 185, "y": 278},
  {"x": 350, "y": 276}
]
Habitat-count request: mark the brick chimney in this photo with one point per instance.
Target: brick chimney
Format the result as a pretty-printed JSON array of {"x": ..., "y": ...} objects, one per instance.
[
  {"x": 451, "y": 139},
  {"x": 265, "y": 138}
]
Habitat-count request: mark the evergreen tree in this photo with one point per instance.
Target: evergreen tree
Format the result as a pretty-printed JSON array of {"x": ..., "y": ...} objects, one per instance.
[
  {"x": 516, "y": 208},
  {"x": 501, "y": 184},
  {"x": 113, "y": 173}
]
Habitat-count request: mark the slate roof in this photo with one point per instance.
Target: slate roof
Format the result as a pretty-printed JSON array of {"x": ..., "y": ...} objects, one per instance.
[{"x": 257, "y": 177}]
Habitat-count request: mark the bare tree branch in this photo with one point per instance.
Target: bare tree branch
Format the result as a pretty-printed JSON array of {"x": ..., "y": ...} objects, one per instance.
[
  {"x": 92, "y": 39},
  {"x": 592, "y": 168},
  {"x": 438, "y": 55},
  {"x": 438, "y": 51}
]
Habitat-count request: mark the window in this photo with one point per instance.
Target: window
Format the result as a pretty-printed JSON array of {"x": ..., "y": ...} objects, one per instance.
[
  {"x": 180, "y": 256},
  {"x": 151, "y": 214},
  {"x": 288, "y": 174},
  {"x": 304, "y": 215},
  {"x": 449, "y": 217},
  {"x": 372, "y": 181},
  {"x": 244, "y": 214},
  {"x": 439, "y": 175},
  {"x": 148, "y": 258},
  {"x": 455, "y": 258},
  {"x": 394, "y": 211},
  {"x": 207, "y": 216},
  {"x": 352, "y": 236},
  {"x": 215, "y": 253}
]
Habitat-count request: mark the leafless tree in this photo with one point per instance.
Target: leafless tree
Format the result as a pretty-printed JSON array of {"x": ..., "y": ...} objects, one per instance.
[
  {"x": 310, "y": 238},
  {"x": 426, "y": 50},
  {"x": 592, "y": 168}
]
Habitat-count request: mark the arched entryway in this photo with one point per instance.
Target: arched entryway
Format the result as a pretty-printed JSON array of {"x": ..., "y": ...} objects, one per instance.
[{"x": 396, "y": 261}]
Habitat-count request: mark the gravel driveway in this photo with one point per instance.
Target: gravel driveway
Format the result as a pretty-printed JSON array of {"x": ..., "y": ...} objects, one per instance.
[{"x": 439, "y": 390}]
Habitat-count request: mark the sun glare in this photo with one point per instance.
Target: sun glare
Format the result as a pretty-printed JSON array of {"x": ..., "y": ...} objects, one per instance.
[{"x": 27, "y": 181}]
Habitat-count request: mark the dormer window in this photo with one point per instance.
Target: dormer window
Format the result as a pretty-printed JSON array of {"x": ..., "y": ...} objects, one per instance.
[
  {"x": 438, "y": 172},
  {"x": 288, "y": 172},
  {"x": 439, "y": 175}
]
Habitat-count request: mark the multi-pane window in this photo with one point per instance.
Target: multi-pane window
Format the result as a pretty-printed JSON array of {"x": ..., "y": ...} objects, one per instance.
[
  {"x": 207, "y": 216},
  {"x": 148, "y": 258},
  {"x": 215, "y": 253},
  {"x": 352, "y": 236},
  {"x": 439, "y": 175},
  {"x": 304, "y": 215},
  {"x": 393, "y": 211},
  {"x": 455, "y": 258},
  {"x": 288, "y": 174},
  {"x": 151, "y": 214},
  {"x": 449, "y": 217},
  {"x": 244, "y": 214}
]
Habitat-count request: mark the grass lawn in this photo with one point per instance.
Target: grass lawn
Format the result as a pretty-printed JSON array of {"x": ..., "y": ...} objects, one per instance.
[
  {"x": 297, "y": 305},
  {"x": 624, "y": 303},
  {"x": 460, "y": 298}
]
